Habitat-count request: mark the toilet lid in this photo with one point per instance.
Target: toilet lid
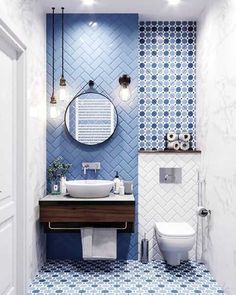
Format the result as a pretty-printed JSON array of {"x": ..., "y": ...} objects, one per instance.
[{"x": 174, "y": 229}]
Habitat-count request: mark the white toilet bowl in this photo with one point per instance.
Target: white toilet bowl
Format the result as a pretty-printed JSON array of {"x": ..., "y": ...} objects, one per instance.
[{"x": 175, "y": 239}]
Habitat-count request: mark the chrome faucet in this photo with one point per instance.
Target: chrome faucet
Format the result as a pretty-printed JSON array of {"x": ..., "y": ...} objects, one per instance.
[
  {"x": 91, "y": 166},
  {"x": 85, "y": 166}
]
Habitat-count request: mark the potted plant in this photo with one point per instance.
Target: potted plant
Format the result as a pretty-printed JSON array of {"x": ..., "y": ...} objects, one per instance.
[{"x": 56, "y": 175}]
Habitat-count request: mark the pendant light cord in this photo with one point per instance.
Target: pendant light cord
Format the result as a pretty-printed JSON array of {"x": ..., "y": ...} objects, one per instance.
[
  {"x": 53, "y": 40},
  {"x": 62, "y": 40}
]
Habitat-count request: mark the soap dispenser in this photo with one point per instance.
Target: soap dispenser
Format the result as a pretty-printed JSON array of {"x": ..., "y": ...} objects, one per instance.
[
  {"x": 116, "y": 185},
  {"x": 122, "y": 188}
]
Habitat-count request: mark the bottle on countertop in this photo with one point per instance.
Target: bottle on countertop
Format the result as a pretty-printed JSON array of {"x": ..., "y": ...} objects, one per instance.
[
  {"x": 63, "y": 185},
  {"x": 122, "y": 188},
  {"x": 116, "y": 185},
  {"x": 128, "y": 187}
]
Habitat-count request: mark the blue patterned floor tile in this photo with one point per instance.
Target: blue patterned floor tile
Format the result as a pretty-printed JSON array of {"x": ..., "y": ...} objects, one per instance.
[{"x": 123, "y": 277}]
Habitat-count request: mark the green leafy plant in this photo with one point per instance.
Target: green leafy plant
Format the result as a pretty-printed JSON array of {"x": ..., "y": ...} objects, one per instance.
[{"x": 58, "y": 169}]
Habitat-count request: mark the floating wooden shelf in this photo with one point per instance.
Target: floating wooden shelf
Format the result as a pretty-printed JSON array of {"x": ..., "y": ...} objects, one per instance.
[
  {"x": 72, "y": 213},
  {"x": 169, "y": 152},
  {"x": 87, "y": 213}
]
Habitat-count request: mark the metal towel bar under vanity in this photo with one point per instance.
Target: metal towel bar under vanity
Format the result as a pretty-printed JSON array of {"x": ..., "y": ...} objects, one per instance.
[{"x": 66, "y": 214}]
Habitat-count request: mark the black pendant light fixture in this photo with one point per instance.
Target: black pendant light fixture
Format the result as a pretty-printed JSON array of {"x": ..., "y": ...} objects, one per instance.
[
  {"x": 62, "y": 91},
  {"x": 53, "y": 101}
]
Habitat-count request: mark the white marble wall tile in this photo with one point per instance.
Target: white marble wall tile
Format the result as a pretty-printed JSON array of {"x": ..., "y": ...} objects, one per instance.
[
  {"x": 26, "y": 19},
  {"x": 216, "y": 97}
]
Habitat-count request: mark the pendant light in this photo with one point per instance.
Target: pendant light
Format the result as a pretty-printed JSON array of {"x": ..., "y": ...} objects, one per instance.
[
  {"x": 62, "y": 90},
  {"x": 125, "y": 81},
  {"x": 53, "y": 101}
]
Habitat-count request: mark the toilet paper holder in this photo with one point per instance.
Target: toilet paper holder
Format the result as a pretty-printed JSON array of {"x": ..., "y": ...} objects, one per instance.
[{"x": 203, "y": 212}]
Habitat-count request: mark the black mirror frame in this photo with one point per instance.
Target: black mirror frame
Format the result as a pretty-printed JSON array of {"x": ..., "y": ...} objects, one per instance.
[{"x": 92, "y": 92}]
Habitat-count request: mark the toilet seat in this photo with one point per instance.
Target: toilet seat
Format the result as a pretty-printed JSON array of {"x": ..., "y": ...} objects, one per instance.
[
  {"x": 174, "y": 239},
  {"x": 174, "y": 230}
]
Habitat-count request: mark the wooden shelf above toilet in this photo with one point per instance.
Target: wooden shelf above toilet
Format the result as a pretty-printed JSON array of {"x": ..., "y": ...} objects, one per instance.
[{"x": 169, "y": 152}]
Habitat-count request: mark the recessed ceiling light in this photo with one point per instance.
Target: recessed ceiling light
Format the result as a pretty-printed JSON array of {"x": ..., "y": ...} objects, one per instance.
[
  {"x": 174, "y": 2},
  {"x": 88, "y": 2}
]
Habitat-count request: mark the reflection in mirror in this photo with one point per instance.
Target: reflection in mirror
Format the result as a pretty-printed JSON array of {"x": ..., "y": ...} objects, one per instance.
[{"x": 91, "y": 118}]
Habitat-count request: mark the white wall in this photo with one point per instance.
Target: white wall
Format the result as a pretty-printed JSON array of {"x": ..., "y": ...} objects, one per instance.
[
  {"x": 166, "y": 202},
  {"x": 25, "y": 19},
  {"x": 216, "y": 58}
]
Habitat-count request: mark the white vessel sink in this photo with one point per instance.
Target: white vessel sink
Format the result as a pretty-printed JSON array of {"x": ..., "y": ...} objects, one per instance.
[{"x": 89, "y": 188}]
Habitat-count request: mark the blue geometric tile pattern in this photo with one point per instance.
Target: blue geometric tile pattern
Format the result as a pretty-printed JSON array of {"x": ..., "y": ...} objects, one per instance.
[
  {"x": 102, "y": 48},
  {"x": 167, "y": 81},
  {"x": 123, "y": 277}
]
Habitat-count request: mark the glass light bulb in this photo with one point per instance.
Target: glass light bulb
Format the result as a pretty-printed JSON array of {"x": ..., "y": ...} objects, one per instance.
[
  {"x": 124, "y": 93},
  {"x": 63, "y": 93},
  {"x": 88, "y": 2},
  {"x": 53, "y": 111},
  {"x": 174, "y": 2}
]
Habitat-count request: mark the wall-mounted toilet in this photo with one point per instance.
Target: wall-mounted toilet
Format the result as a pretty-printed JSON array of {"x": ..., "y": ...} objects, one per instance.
[{"x": 175, "y": 239}]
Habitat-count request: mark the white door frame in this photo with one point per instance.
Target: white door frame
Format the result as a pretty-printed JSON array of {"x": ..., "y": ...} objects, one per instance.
[{"x": 21, "y": 156}]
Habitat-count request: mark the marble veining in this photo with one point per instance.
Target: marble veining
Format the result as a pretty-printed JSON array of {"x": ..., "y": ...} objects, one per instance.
[
  {"x": 216, "y": 90},
  {"x": 26, "y": 20}
]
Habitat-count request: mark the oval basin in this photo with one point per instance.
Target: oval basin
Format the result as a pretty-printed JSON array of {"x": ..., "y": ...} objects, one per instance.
[{"x": 89, "y": 188}]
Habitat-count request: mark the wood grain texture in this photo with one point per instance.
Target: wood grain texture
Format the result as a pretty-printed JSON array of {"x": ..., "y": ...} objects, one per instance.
[
  {"x": 169, "y": 152},
  {"x": 88, "y": 213}
]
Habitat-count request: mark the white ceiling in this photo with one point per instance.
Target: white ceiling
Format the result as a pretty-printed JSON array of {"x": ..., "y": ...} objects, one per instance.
[{"x": 147, "y": 9}]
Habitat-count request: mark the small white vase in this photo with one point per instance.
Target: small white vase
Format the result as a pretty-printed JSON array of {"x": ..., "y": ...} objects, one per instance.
[{"x": 63, "y": 185}]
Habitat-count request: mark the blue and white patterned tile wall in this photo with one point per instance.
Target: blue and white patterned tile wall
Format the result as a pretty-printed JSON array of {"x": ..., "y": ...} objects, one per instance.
[
  {"x": 167, "y": 81},
  {"x": 102, "y": 48}
]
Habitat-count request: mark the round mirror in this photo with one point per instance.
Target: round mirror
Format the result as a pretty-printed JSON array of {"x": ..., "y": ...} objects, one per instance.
[{"x": 91, "y": 118}]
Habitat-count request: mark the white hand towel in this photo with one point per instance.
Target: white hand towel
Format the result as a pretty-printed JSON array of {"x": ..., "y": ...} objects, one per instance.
[
  {"x": 86, "y": 239},
  {"x": 99, "y": 243},
  {"x": 104, "y": 243}
]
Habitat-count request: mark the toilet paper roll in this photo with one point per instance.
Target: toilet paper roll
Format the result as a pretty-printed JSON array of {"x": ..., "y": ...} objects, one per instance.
[
  {"x": 184, "y": 136},
  {"x": 174, "y": 145},
  {"x": 172, "y": 136},
  {"x": 184, "y": 146}
]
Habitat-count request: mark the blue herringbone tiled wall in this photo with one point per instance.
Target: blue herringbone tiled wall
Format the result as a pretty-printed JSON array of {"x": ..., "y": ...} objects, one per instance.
[{"x": 102, "y": 48}]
